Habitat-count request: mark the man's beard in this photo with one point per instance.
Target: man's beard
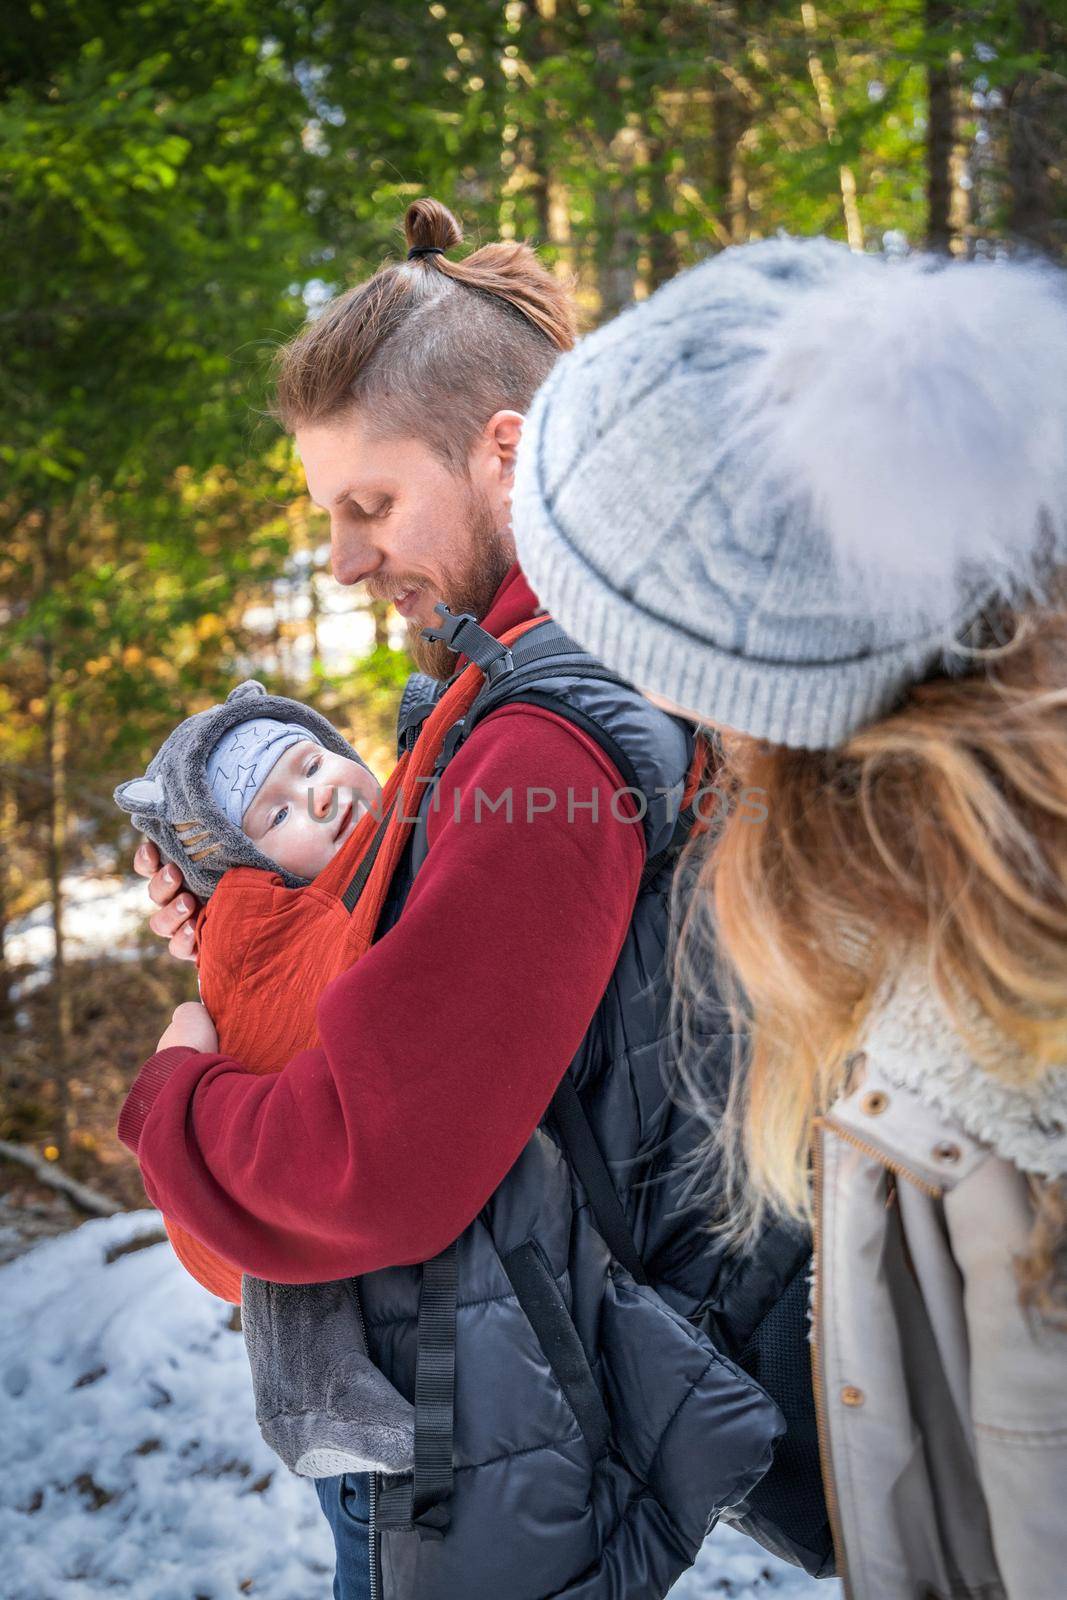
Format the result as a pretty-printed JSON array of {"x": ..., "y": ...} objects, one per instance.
[{"x": 471, "y": 589}]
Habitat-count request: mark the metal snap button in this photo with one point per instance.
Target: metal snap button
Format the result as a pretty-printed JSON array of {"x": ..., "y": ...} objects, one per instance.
[
  {"x": 851, "y": 1396},
  {"x": 947, "y": 1152},
  {"x": 875, "y": 1102}
]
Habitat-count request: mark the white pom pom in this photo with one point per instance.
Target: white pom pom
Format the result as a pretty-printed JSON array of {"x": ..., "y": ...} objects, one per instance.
[{"x": 920, "y": 416}]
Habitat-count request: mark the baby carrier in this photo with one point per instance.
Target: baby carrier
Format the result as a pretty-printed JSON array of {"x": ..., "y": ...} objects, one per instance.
[{"x": 575, "y": 1429}]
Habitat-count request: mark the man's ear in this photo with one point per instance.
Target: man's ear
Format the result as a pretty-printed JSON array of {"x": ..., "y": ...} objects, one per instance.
[{"x": 500, "y": 442}]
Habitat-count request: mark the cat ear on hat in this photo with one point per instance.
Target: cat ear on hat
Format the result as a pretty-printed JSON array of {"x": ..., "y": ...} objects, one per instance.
[
  {"x": 144, "y": 795},
  {"x": 250, "y": 687}
]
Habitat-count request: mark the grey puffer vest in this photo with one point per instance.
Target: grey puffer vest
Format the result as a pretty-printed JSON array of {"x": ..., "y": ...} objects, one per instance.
[{"x": 582, "y": 1423}]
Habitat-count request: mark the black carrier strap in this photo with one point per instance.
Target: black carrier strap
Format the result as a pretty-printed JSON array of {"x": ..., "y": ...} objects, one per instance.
[
  {"x": 358, "y": 881},
  {"x": 584, "y": 1154},
  {"x": 543, "y": 653},
  {"x": 421, "y": 694},
  {"x": 419, "y": 1500},
  {"x": 673, "y": 848}
]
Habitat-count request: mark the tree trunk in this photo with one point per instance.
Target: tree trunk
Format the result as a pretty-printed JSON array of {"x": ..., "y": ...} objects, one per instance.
[
  {"x": 617, "y": 226},
  {"x": 314, "y": 614},
  {"x": 57, "y": 733},
  {"x": 51, "y": 580},
  {"x": 97, "y": 1205},
  {"x": 724, "y": 137},
  {"x": 304, "y": 541},
  {"x": 617, "y": 240},
  {"x": 940, "y": 127},
  {"x": 547, "y": 194},
  {"x": 7, "y": 842},
  {"x": 961, "y": 215},
  {"x": 618, "y": 139},
  {"x": 1036, "y": 113},
  {"x": 663, "y": 257},
  {"x": 379, "y": 610},
  {"x": 828, "y": 113},
  {"x": 730, "y": 118}
]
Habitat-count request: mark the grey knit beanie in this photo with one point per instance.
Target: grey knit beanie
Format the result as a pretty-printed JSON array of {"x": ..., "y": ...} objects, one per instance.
[
  {"x": 173, "y": 803},
  {"x": 779, "y": 491}
]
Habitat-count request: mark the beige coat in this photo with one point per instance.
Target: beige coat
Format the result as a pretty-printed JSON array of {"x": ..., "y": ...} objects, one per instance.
[{"x": 942, "y": 1405}]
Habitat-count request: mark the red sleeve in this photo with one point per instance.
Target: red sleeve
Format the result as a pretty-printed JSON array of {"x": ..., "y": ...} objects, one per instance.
[{"x": 440, "y": 1049}]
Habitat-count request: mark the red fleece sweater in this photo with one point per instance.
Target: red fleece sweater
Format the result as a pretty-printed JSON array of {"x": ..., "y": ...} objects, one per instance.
[{"x": 441, "y": 1047}]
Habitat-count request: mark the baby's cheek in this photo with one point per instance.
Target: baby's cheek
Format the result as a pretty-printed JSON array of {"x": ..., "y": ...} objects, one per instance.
[{"x": 369, "y": 790}]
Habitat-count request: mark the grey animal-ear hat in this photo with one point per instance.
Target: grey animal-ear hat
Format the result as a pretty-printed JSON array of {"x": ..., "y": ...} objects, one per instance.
[
  {"x": 175, "y": 792},
  {"x": 783, "y": 488}
]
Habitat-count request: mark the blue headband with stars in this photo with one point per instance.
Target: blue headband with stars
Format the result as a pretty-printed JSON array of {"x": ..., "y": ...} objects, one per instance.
[{"x": 240, "y": 762}]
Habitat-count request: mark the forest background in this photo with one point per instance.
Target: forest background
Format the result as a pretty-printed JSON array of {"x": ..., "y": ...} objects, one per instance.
[{"x": 181, "y": 184}]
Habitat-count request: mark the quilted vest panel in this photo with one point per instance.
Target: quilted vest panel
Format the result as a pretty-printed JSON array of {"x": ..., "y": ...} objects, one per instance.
[{"x": 598, "y": 1430}]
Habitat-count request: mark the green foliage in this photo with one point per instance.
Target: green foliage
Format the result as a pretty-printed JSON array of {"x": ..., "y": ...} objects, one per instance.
[{"x": 180, "y": 180}]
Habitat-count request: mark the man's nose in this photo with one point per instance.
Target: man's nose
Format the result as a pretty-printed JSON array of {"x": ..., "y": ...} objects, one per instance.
[{"x": 351, "y": 558}]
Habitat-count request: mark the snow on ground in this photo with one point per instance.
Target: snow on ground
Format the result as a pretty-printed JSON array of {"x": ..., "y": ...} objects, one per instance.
[
  {"x": 132, "y": 1465},
  {"x": 102, "y": 912},
  {"x": 731, "y": 1567}
]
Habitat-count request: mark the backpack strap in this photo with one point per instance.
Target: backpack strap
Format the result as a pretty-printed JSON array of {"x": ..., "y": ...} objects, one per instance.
[
  {"x": 421, "y": 694},
  {"x": 419, "y": 1500},
  {"x": 426, "y": 723},
  {"x": 543, "y": 653},
  {"x": 673, "y": 848},
  {"x": 358, "y": 880},
  {"x": 576, "y": 1133},
  {"x": 584, "y": 1154}
]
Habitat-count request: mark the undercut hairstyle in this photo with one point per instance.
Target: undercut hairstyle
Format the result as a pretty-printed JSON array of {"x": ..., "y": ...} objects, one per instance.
[{"x": 430, "y": 348}]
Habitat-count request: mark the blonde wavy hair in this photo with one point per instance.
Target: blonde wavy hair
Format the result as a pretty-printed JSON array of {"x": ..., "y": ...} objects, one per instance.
[{"x": 942, "y": 827}]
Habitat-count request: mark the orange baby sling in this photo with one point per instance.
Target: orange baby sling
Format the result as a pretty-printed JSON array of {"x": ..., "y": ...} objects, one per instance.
[{"x": 267, "y": 952}]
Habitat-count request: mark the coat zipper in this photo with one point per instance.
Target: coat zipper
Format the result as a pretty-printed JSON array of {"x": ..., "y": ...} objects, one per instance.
[
  {"x": 372, "y": 1541},
  {"x": 897, "y": 1167},
  {"x": 818, "y": 1387},
  {"x": 372, "y": 1529}
]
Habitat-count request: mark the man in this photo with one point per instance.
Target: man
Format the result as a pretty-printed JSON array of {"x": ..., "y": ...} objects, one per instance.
[
  {"x": 359, "y": 1156},
  {"x": 528, "y": 938}
]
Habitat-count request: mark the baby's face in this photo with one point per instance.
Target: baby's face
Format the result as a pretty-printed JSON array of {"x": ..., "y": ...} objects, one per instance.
[{"x": 307, "y": 807}]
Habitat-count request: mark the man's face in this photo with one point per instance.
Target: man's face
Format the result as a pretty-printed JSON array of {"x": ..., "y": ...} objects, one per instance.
[{"x": 409, "y": 528}]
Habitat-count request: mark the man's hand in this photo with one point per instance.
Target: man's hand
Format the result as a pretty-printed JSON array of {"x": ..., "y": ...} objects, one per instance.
[
  {"x": 174, "y": 920},
  {"x": 190, "y": 1025}
]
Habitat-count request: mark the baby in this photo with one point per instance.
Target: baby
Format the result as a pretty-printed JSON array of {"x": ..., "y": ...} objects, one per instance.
[
  {"x": 263, "y": 781},
  {"x": 296, "y": 800},
  {"x": 266, "y": 783}
]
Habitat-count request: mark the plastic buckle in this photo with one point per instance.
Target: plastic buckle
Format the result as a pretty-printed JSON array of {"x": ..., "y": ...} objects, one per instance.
[
  {"x": 449, "y": 625},
  {"x": 450, "y": 632}
]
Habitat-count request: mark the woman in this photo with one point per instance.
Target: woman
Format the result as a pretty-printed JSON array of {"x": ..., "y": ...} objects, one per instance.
[{"x": 818, "y": 501}]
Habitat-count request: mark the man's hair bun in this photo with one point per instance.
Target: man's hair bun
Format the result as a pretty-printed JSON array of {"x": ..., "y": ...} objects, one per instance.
[{"x": 428, "y": 225}]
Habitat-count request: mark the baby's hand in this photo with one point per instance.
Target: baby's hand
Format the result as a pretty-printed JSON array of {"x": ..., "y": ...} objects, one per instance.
[{"x": 191, "y": 1026}]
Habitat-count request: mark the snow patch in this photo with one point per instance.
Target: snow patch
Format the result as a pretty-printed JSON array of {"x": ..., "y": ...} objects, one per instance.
[{"x": 133, "y": 1466}]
